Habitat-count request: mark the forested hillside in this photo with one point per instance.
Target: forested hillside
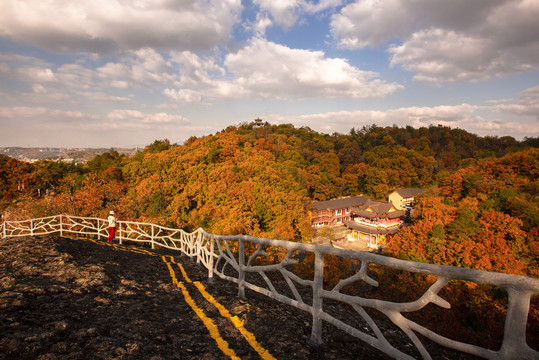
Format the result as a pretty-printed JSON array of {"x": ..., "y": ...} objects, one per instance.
[
  {"x": 260, "y": 181},
  {"x": 480, "y": 210},
  {"x": 484, "y": 216}
]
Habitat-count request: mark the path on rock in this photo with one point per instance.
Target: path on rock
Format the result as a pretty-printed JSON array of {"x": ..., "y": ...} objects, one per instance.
[{"x": 81, "y": 299}]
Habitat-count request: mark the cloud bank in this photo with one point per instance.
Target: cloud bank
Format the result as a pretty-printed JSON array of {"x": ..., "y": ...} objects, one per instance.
[
  {"x": 101, "y": 26},
  {"x": 446, "y": 41},
  {"x": 175, "y": 68}
]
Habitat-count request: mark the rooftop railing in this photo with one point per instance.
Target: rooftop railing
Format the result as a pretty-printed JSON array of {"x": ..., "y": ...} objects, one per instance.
[{"x": 234, "y": 258}]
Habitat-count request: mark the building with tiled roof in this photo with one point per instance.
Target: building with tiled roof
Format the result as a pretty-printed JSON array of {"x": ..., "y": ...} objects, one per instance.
[
  {"x": 335, "y": 211},
  {"x": 402, "y": 198},
  {"x": 373, "y": 221}
]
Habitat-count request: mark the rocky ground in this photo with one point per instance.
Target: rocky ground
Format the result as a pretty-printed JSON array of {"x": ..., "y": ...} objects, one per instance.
[{"x": 62, "y": 298}]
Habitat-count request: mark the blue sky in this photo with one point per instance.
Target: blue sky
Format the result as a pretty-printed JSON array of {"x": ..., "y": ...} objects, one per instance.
[{"x": 123, "y": 73}]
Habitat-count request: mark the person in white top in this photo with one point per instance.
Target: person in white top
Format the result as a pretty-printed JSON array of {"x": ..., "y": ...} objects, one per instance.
[{"x": 112, "y": 226}]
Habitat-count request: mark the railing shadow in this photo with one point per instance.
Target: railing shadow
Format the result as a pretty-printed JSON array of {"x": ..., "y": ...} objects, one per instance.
[{"x": 248, "y": 262}]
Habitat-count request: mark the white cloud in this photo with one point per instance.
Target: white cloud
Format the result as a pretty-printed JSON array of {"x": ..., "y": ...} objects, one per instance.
[
  {"x": 103, "y": 25},
  {"x": 463, "y": 116},
  {"x": 313, "y": 7},
  {"x": 201, "y": 78},
  {"x": 284, "y": 12},
  {"x": 42, "y": 115},
  {"x": 263, "y": 69},
  {"x": 262, "y": 23},
  {"x": 184, "y": 95},
  {"x": 527, "y": 104},
  {"x": 343, "y": 121},
  {"x": 125, "y": 118},
  {"x": 446, "y": 41},
  {"x": 439, "y": 56},
  {"x": 136, "y": 118},
  {"x": 499, "y": 101},
  {"x": 142, "y": 69},
  {"x": 372, "y": 22},
  {"x": 26, "y": 68},
  {"x": 196, "y": 70},
  {"x": 76, "y": 76},
  {"x": 287, "y": 13},
  {"x": 42, "y": 125},
  {"x": 445, "y": 56},
  {"x": 39, "y": 75},
  {"x": 104, "y": 97},
  {"x": 365, "y": 23},
  {"x": 271, "y": 70}
]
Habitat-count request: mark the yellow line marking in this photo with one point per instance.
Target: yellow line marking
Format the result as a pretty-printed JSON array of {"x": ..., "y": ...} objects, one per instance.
[
  {"x": 250, "y": 337},
  {"x": 184, "y": 274},
  {"x": 210, "y": 325}
]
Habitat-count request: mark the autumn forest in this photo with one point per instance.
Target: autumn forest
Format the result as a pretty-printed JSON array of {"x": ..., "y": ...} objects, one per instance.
[{"x": 480, "y": 210}]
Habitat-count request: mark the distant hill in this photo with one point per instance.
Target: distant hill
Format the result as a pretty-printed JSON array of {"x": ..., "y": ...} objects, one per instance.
[{"x": 73, "y": 155}]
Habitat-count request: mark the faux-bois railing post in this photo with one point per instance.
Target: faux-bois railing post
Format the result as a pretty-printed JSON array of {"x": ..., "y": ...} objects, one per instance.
[
  {"x": 318, "y": 284},
  {"x": 241, "y": 268}
]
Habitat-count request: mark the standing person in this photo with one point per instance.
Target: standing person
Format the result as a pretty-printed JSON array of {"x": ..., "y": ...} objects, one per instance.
[{"x": 112, "y": 226}]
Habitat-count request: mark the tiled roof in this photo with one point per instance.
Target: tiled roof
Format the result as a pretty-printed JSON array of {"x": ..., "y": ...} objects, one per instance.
[
  {"x": 409, "y": 192},
  {"x": 379, "y": 209},
  {"x": 340, "y": 203}
]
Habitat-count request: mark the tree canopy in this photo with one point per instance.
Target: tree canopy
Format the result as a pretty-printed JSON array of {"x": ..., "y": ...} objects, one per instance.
[{"x": 260, "y": 181}]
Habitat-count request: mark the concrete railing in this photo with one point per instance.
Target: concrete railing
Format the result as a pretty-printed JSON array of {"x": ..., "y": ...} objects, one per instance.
[{"x": 234, "y": 258}]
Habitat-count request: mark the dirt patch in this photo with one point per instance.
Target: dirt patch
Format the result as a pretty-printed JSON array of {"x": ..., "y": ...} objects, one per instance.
[{"x": 75, "y": 299}]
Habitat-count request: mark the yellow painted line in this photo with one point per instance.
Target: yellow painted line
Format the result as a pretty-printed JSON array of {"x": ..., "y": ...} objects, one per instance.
[
  {"x": 210, "y": 325},
  {"x": 250, "y": 337},
  {"x": 144, "y": 252},
  {"x": 184, "y": 274}
]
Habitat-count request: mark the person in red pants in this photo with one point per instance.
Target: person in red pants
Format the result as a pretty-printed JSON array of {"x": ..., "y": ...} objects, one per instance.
[{"x": 112, "y": 226}]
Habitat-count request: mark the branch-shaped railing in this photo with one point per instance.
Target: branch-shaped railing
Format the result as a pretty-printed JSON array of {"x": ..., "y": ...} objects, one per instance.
[{"x": 234, "y": 258}]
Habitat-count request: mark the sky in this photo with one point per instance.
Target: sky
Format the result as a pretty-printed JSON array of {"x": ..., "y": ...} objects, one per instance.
[{"x": 123, "y": 73}]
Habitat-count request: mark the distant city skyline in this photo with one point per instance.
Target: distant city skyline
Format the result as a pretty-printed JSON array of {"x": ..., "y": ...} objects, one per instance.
[
  {"x": 69, "y": 155},
  {"x": 111, "y": 73}
]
